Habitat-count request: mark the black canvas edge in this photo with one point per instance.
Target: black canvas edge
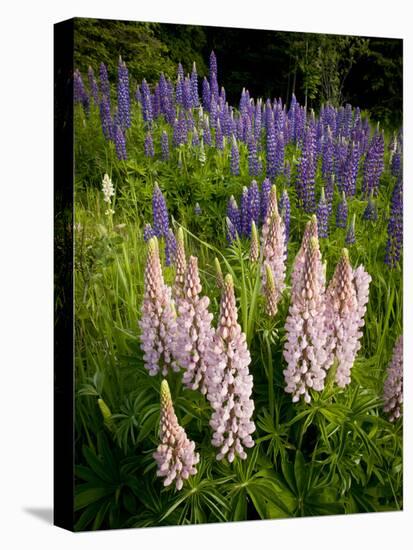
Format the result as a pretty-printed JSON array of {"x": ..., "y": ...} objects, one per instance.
[{"x": 63, "y": 157}]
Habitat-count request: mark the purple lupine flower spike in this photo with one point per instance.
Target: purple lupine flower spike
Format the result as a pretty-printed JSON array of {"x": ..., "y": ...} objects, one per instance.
[
  {"x": 254, "y": 202},
  {"x": 232, "y": 234},
  {"x": 394, "y": 244},
  {"x": 342, "y": 213},
  {"x": 123, "y": 95},
  {"x": 160, "y": 213},
  {"x": 234, "y": 214},
  {"x": 194, "y": 86},
  {"x": 229, "y": 382},
  {"x": 370, "y": 212},
  {"x": 195, "y": 332},
  {"x": 245, "y": 219},
  {"x": 351, "y": 231},
  {"x": 106, "y": 118},
  {"x": 148, "y": 145},
  {"x": 165, "y": 145},
  {"x": 148, "y": 232},
  {"x": 104, "y": 82},
  {"x": 322, "y": 216},
  {"x": 234, "y": 158},
  {"x": 170, "y": 247},
  {"x": 93, "y": 86},
  {"x": 120, "y": 142},
  {"x": 158, "y": 319},
  {"x": 175, "y": 456},
  {"x": 265, "y": 193},
  {"x": 393, "y": 385}
]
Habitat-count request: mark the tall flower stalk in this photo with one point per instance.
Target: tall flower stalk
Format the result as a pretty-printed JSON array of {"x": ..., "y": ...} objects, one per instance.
[
  {"x": 230, "y": 382},
  {"x": 175, "y": 456},
  {"x": 158, "y": 320},
  {"x": 393, "y": 385}
]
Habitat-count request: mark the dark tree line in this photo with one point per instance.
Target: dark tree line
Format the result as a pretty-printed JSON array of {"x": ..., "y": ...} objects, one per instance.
[{"x": 316, "y": 67}]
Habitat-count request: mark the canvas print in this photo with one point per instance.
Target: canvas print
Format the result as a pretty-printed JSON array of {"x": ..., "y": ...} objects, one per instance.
[{"x": 238, "y": 243}]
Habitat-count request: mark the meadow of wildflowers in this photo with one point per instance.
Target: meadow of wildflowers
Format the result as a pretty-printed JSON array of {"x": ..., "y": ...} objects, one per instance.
[{"x": 238, "y": 304}]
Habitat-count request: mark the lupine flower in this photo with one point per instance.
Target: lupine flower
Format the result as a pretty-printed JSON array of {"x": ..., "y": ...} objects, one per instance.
[
  {"x": 104, "y": 81},
  {"x": 160, "y": 213},
  {"x": 108, "y": 192},
  {"x": 393, "y": 385},
  {"x": 206, "y": 94},
  {"x": 165, "y": 145},
  {"x": 94, "y": 90},
  {"x": 158, "y": 321},
  {"x": 229, "y": 382},
  {"x": 373, "y": 165},
  {"x": 197, "y": 209},
  {"x": 342, "y": 213},
  {"x": 194, "y": 87},
  {"x": 351, "y": 231},
  {"x": 148, "y": 232},
  {"x": 304, "y": 349},
  {"x": 271, "y": 150},
  {"x": 170, "y": 247},
  {"x": 305, "y": 182},
  {"x": 329, "y": 192},
  {"x": 148, "y": 145},
  {"x": 219, "y": 138},
  {"x": 370, "y": 213},
  {"x": 265, "y": 193},
  {"x": 272, "y": 207},
  {"x": 255, "y": 244},
  {"x": 106, "y": 118},
  {"x": 346, "y": 299},
  {"x": 180, "y": 267},
  {"x": 234, "y": 158},
  {"x": 195, "y": 333},
  {"x": 310, "y": 231},
  {"x": 232, "y": 233},
  {"x": 322, "y": 216},
  {"x": 202, "y": 155},
  {"x": 395, "y": 226},
  {"x": 285, "y": 209},
  {"x": 270, "y": 293},
  {"x": 274, "y": 253},
  {"x": 120, "y": 143},
  {"x": 234, "y": 214},
  {"x": 79, "y": 93},
  {"x": 254, "y": 202},
  {"x": 123, "y": 95},
  {"x": 175, "y": 456},
  {"x": 195, "y": 138}
]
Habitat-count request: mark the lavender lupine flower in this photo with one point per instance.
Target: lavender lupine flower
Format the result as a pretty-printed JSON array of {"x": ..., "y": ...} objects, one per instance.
[
  {"x": 148, "y": 232},
  {"x": 219, "y": 138},
  {"x": 147, "y": 111},
  {"x": 255, "y": 244},
  {"x": 351, "y": 231},
  {"x": 279, "y": 153},
  {"x": 245, "y": 218},
  {"x": 270, "y": 293},
  {"x": 395, "y": 226},
  {"x": 195, "y": 138},
  {"x": 197, "y": 209},
  {"x": 342, "y": 213},
  {"x": 396, "y": 162},
  {"x": 104, "y": 82},
  {"x": 160, "y": 213},
  {"x": 304, "y": 350},
  {"x": 373, "y": 164},
  {"x": 170, "y": 248},
  {"x": 234, "y": 158},
  {"x": 271, "y": 150},
  {"x": 194, "y": 87},
  {"x": 254, "y": 202},
  {"x": 206, "y": 94},
  {"x": 393, "y": 385},
  {"x": 175, "y": 456},
  {"x": 148, "y": 145},
  {"x": 79, "y": 93},
  {"x": 194, "y": 330},
  {"x": 106, "y": 118},
  {"x": 206, "y": 131},
  {"x": 234, "y": 214},
  {"x": 180, "y": 268},
  {"x": 274, "y": 253},
  {"x": 329, "y": 192},
  {"x": 327, "y": 163},
  {"x": 285, "y": 209},
  {"x": 120, "y": 142},
  {"x": 94, "y": 90},
  {"x": 265, "y": 194},
  {"x": 232, "y": 234},
  {"x": 229, "y": 382},
  {"x": 346, "y": 299},
  {"x": 165, "y": 145},
  {"x": 370, "y": 213},
  {"x": 158, "y": 321},
  {"x": 305, "y": 182},
  {"x": 254, "y": 165},
  {"x": 123, "y": 95},
  {"x": 322, "y": 216}
]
